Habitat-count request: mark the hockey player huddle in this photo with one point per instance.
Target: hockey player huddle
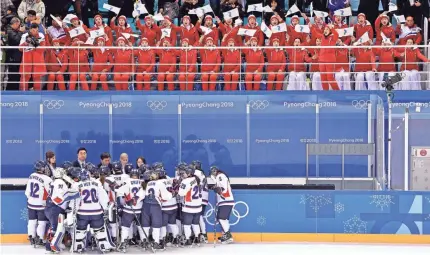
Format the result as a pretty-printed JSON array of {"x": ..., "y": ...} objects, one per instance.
[{"x": 99, "y": 208}]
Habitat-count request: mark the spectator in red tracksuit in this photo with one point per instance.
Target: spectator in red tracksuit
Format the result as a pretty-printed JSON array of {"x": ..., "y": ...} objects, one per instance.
[
  {"x": 318, "y": 26},
  {"x": 383, "y": 25},
  {"x": 123, "y": 68},
  {"x": 363, "y": 26},
  {"x": 102, "y": 64},
  {"x": 410, "y": 30},
  {"x": 187, "y": 65},
  {"x": 98, "y": 24},
  {"x": 410, "y": 56},
  {"x": 75, "y": 24},
  {"x": 274, "y": 21},
  {"x": 297, "y": 57},
  {"x": 211, "y": 61},
  {"x": 146, "y": 63},
  {"x": 232, "y": 64},
  {"x": 254, "y": 65},
  {"x": 172, "y": 37},
  {"x": 166, "y": 66},
  {"x": 33, "y": 62},
  {"x": 276, "y": 62},
  {"x": 315, "y": 67},
  {"x": 342, "y": 69},
  {"x": 339, "y": 24},
  {"x": 292, "y": 34},
  {"x": 229, "y": 30},
  {"x": 387, "y": 63},
  {"x": 122, "y": 27},
  {"x": 365, "y": 68},
  {"x": 56, "y": 65},
  {"x": 327, "y": 57},
  {"x": 187, "y": 31},
  {"x": 252, "y": 24},
  {"x": 149, "y": 30},
  {"x": 78, "y": 65},
  {"x": 214, "y": 33}
]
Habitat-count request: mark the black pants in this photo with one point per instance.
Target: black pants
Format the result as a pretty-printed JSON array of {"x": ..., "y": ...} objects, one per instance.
[{"x": 13, "y": 76}]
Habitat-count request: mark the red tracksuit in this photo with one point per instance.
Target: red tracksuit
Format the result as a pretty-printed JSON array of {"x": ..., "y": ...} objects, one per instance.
[
  {"x": 166, "y": 68},
  {"x": 276, "y": 68},
  {"x": 123, "y": 67},
  {"x": 192, "y": 34},
  {"x": 78, "y": 67},
  {"x": 56, "y": 65},
  {"x": 259, "y": 34},
  {"x": 254, "y": 68},
  {"x": 232, "y": 64},
  {"x": 33, "y": 65},
  {"x": 108, "y": 32},
  {"x": 364, "y": 60},
  {"x": 411, "y": 58},
  {"x": 152, "y": 33},
  {"x": 297, "y": 59},
  {"x": 362, "y": 29},
  {"x": 214, "y": 34},
  {"x": 119, "y": 30},
  {"x": 415, "y": 35},
  {"x": 315, "y": 67},
  {"x": 327, "y": 58},
  {"x": 228, "y": 32},
  {"x": 102, "y": 65},
  {"x": 280, "y": 36},
  {"x": 291, "y": 31},
  {"x": 145, "y": 68},
  {"x": 386, "y": 59},
  {"x": 342, "y": 59},
  {"x": 319, "y": 31},
  {"x": 387, "y": 30},
  {"x": 211, "y": 61},
  {"x": 187, "y": 68}
]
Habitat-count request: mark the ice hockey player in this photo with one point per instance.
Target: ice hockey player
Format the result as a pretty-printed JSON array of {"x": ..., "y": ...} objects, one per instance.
[
  {"x": 198, "y": 171},
  {"x": 225, "y": 202},
  {"x": 37, "y": 193},
  {"x": 130, "y": 200}
]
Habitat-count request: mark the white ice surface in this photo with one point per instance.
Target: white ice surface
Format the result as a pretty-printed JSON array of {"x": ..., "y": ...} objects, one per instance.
[{"x": 260, "y": 249}]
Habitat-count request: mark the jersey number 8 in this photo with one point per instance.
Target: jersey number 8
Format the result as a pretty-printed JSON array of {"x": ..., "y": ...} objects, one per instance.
[{"x": 90, "y": 196}]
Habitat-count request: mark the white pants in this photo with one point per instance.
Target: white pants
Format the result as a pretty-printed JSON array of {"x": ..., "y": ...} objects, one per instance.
[
  {"x": 411, "y": 81},
  {"x": 368, "y": 77},
  {"x": 343, "y": 80},
  {"x": 316, "y": 81},
  {"x": 397, "y": 86},
  {"x": 297, "y": 81}
]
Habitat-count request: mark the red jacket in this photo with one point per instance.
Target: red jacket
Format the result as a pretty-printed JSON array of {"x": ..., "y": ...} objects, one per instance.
[
  {"x": 119, "y": 30},
  {"x": 342, "y": 59},
  {"x": 232, "y": 60},
  {"x": 362, "y": 29},
  {"x": 211, "y": 60},
  {"x": 214, "y": 33},
  {"x": 387, "y": 30},
  {"x": 364, "y": 60},
  {"x": 315, "y": 67},
  {"x": 78, "y": 60},
  {"x": 167, "y": 61},
  {"x": 293, "y": 35},
  {"x": 386, "y": 59},
  {"x": 276, "y": 60},
  {"x": 187, "y": 60},
  {"x": 56, "y": 60},
  {"x": 101, "y": 59},
  {"x": 152, "y": 33},
  {"x": 415, "y": 34},
  {"x": 145, "y": 60},
  {"x": 280, "y": 36},
  {"x": 315, "y": 30},
  {"x": 230, "y": 32},
  {"x": 108, "y": 32},
  {"x": 124, "y": 59},
  {"x": 254, "y": 60},
  {"x": 411, "y": 56},
  {"x": 192, "y": 34},
  {"x": 297, "y": 58},
  {"x": 259, "y": 34},
  {"x": 328, "y": 55}
]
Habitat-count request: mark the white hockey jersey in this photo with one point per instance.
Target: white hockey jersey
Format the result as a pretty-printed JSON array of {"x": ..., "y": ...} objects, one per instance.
[
  {"x": 203, "y": 185},
  {"x": 61, "y": 194},
  {"x": 93, "y": 199},
  {"x": 156, "y": 193},
  {"x": 37, "y": 191},
  {"x": 191, "y": 191},
  {"x": 226, "y": 197},
  {"x": 114, "y": 180},
  {"x": 132, "y": 190},
  {"x": 170, "y": 204}
]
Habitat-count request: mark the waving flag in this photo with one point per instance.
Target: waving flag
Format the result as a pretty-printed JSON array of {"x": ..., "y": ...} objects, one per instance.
[
  {"x": 302, "y": 29},
  {"x": 320, "y": 14},
  {"x": 279, "y": 28},
  {"x": 97, "y": 33},
  {"x": 346, "y": 12},
  {"x": 255, "y": 8},
  {"x": 205, "y": 30},
  {"x": 207, "y": 8},
  {"x": 158, "y": 17},
  {"x": 349, "y": 31},
  {"x": 311, "y": 8},
  {"x": 90, "y": 41},
  {"x": 267, "y": 9},
  {"x": 292, "y": 10},
  {"x": 68, "y": 18},
  {"x": 400, "y": 18},
  {"x": 57, "y": 20},
  {"x": 111, "y": 8},
  {"x": 364, "y": 38},
  {"x": 76, "y": 31},
  {"x": 248, "y": 32},
  {"x": 165, "y": 32},
  {"x": 231, "y": 14},
  {"x": 392, "y": 7},
  {"x": 140, "y": 9},
  {"x": 127, "y": 35},
  {"x": 266, "y": 29}
]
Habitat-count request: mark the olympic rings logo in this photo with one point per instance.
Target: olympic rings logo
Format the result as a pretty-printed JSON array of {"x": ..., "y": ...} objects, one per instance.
[
  {"x": 53, "y": 104},
  {"x": 361, "y": 104},
  {"x": 258, "y": 104},
  {"x": 156, "y": 105},
  {"x": 234, "y": 211}
]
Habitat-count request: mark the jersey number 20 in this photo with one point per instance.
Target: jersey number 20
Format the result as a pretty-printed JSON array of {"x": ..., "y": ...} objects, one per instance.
[{"x": 90, "y": 196}]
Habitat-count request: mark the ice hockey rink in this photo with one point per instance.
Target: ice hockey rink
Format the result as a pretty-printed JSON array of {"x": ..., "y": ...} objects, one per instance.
[{"x": 260, "y": 248}]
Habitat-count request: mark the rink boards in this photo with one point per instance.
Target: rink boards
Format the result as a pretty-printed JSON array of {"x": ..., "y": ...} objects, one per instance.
[{"x": 280, "y": 216}]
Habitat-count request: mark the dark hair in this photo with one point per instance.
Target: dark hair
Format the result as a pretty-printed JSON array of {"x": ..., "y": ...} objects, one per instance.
[
  {"x": 31, "y": 12},
  {"x": 104, "y": 155},
  {"x": 81, "y": 149},
  {"x": 141, "y": 158},
  {"x": 34, "y": 25},
  {"x": 11, "y": 8},
  {"x": 49, "y": 155}
]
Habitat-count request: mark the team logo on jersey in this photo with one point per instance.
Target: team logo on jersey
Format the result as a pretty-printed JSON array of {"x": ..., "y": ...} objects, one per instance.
[
  {"x": 237, "y": 213},
  {"x": 53, "y": 104},
  {"x": 258, "y": 104},
  {"x": 156, "y": 105},
  {"x": 361, "y": 104}
]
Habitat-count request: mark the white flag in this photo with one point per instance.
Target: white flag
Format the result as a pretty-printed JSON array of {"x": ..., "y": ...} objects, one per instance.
[
  {"x": 68, "y": 18},
  {"x": 383, "y": 36},
  {"x": 198, "y": 11},
  {"x": 346, "y": 12},
  {"x": 349, "y": 31},
  {"x": 158, "y": 17},
  {"x": 57, "y": 20},
  {"x": 280, "y": 28},
  {"x": 90, "y": 41},
  {"x": 76, "y": 31},
  {"x": 311, "y": 8},
  {"x": 97, "y": 33},
  {"x": 412, "y": 2},
  {"x": 111, "y": 8},
  {"x": 302, "y": 29},
  {"x": 266, "y": 30},
  {"x": 231, "y": 14},
  {"x": 248, "y": 32},
  {"x": 292, "y": 10},
  {"x": 207, "y": 8},
  {"x": 165, "y": 32},
  {"x": 140, "y": 8},
  {"x": 255, "y": 8},
  {"x": 364, "y": 38},
  {"x": 400, "y": 19},
  {"x": 321, "y": 14},
  {"x": 127, "y": 35},
  {"x": 392, "y": 7},
  {"x": 267, "y": 9},
  {"x": 205, "y": 30}
]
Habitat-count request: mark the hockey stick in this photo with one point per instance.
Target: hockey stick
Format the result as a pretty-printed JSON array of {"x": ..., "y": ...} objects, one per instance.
[
  {"x": 216, "y": 220},
  {"x": 143, "y": 230},
  {"x": 72, "y": 249}
]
